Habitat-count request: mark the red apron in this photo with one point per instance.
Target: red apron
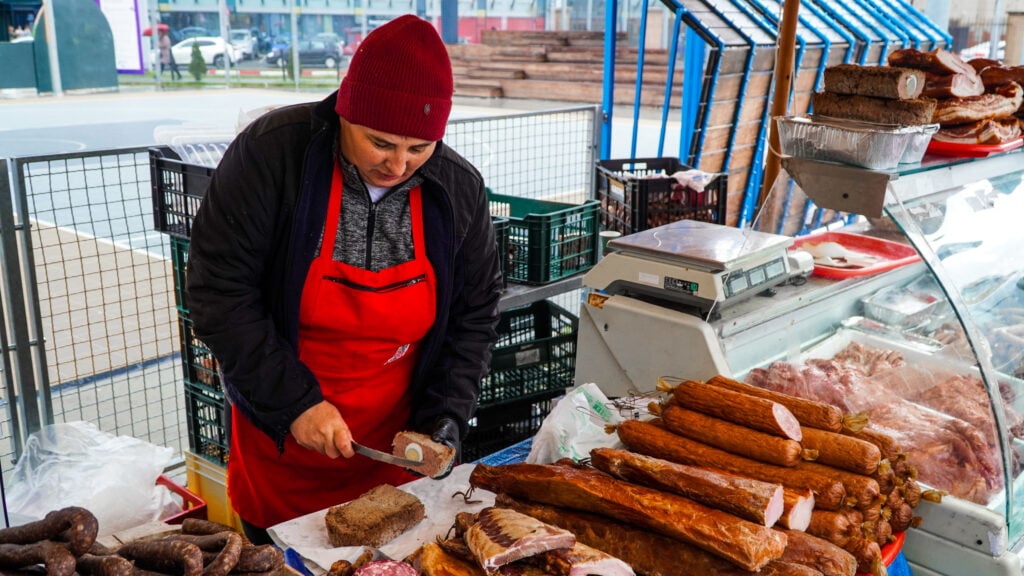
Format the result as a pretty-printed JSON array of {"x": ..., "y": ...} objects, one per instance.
[{"x": 359, "y": 332}]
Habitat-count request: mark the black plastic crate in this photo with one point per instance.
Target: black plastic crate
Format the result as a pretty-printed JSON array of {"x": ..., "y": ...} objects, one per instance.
[
  {"x": 535, "y": 353},
  {"x": 197, "y": 362},
  {"x": 638, "y": 193},
  {"x": 209, "y": 423},
  {"x": 497, "y": 427},
  {"x": 178, "y": 189},
  {"x": 179, "y": 263},
  {"x": 547, "y": 241}
]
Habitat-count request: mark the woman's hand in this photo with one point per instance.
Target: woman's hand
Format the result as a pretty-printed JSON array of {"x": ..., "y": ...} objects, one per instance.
[{"x": 322, "y": 429}]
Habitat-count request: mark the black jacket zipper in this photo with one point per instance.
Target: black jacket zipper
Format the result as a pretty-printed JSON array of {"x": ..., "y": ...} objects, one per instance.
[{"x": 371, "y": 221}]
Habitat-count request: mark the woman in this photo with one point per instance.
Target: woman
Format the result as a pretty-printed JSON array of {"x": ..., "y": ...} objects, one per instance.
[{"x": 343, "y": 270}]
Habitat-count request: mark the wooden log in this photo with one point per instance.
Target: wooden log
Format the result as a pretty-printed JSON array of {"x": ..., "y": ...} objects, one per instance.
[{"x": 877, "y": 81}]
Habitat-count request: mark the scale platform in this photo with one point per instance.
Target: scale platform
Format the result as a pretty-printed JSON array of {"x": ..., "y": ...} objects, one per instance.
[{"x": 701, "y": 264}]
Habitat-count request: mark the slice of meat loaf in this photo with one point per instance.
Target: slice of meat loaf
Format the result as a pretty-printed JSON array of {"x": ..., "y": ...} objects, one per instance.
[
  {"x": 434, "y": 456},
  {"x": 375, "y": 518}
]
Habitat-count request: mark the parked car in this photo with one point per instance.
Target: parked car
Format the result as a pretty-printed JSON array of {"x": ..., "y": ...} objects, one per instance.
[
  {"x": 190, "y": 32},
  {"x": 330, "y": 38},
  {"x": 244, "y": 42},
  {"x": 311, "y": 53},
  {"x": 212, "y": 48}
]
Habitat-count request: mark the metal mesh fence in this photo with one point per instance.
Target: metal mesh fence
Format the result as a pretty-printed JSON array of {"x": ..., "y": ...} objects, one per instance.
[
  {"x": 105, "y": 295},
  {"x": 545, "y": 155}
]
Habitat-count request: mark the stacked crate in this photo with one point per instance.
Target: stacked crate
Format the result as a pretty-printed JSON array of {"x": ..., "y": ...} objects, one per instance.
[
  {"x": 532, "y": 364},
  {"x": 178, "y": 188},
  {"x": 637, "y": 194}
]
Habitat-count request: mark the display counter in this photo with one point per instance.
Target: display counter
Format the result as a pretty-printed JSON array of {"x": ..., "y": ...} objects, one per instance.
[{"x": 932, "y": 350}]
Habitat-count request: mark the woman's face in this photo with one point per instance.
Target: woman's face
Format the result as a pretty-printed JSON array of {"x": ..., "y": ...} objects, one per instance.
[{"x": 383, "y": 159}]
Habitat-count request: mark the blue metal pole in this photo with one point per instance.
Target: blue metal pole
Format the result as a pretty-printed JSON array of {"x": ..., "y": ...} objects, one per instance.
[
  {"x": 608, "y": 88},
  {"x": 673, "y": 53},
  {"x": 641, "y": 47},
  {"x": 693, "y": 75}
]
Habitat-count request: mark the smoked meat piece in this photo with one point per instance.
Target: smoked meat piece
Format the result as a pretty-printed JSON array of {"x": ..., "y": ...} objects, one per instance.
[
  {"x": 878, "y": 81},
  {"x": 750, "y": 499},
  {"x": 744, "y": 543},
  {"x": 1001, "y": 103},
  {"x": 888, "y": 445},
  {"x": 952, "y": 86},
  {"x": 500, "y": 536},
  {"x": 862, "y": 491},
  {"x": 841, "y": 451},
  {"x": 731, "y": 437},
  {"x": 647, "y": 552},
  {"x": 937, "y": 61},
  {"x": 827, "y": 558},
  {"x": 652, "y": 440},
  {"x": 737, "y": 407},
  {"x": 808, "y": 412},
  {"x": 915, "y": 112},
  {"x": 981, "y": 132},
  {"x": 798, "y": 505}
]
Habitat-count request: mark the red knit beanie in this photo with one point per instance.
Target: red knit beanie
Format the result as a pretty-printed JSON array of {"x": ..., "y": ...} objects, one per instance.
[{"x": 399, "y": 81}]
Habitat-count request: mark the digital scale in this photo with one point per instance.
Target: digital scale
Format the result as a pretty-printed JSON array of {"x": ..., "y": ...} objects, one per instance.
[{"x": 651, "y": 297}]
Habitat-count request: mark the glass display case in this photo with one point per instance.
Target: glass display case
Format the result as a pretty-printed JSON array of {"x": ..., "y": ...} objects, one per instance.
[
  {"x": 943, "y": 345},
  {"x": 932, "y": 349}
]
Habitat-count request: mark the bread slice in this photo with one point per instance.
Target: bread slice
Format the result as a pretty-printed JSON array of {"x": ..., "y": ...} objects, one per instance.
[
  {"x": 434, "y": 456},
  {"x": 375, "y": 518}
]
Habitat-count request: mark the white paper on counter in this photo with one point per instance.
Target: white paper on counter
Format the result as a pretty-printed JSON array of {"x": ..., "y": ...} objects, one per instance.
[{"x": 307, "y": 534}]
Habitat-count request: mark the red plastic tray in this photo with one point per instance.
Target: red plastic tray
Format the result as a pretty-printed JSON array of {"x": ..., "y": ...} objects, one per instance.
[
  {"x": 891, "y": 550},
  {"x": 890, "y": 254},
  {"x": 971, "y": 150},
  {"x": 192, "y": 505}
]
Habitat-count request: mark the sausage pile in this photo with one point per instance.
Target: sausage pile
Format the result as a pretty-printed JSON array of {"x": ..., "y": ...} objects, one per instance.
[
  {"x": 731, "y": 479},
  {"x": 64, "y": 542}
]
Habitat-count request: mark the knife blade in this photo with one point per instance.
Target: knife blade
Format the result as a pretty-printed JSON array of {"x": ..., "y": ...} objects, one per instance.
[{"x": 384, "y": 456}]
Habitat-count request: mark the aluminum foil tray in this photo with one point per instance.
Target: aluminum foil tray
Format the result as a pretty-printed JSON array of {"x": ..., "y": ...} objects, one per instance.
[
  {"x": 865, "y": 144},
  {"x": 899, "y": 307}
]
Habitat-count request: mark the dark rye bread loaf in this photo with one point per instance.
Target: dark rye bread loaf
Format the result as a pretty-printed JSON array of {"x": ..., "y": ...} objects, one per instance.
[
  {"x": 375, "y": 518},
  {"x": 435, "y": 457}
]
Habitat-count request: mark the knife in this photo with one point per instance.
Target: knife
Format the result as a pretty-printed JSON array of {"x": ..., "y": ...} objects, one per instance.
[{"x": 384, "y": 456}]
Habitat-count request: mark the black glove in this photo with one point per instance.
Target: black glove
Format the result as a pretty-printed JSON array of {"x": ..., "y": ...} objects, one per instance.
[{"x": 446, "y": 431}]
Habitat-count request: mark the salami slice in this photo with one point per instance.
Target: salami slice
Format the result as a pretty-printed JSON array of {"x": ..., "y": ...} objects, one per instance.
[{"x": 386, "y": 568}]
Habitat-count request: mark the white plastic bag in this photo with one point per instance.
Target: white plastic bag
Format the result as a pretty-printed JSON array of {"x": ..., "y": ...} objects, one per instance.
[
  {"x": 575, "y": 426},
  {"x": 76, "y": 464}
]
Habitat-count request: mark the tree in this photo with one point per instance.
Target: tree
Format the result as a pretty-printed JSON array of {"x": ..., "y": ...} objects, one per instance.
[{"x": 197, "y": 67}]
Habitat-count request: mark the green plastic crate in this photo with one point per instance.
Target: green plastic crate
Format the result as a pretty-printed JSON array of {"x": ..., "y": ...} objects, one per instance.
[
  {"x": 179, "y": 261},
  {"x": 209, "y": 423},
  {"x": 535, "y": 353},
  {"x": 501, "y": 238},
  {"x": 547, "y": 241},
  {"x": 497, "y": 427}
]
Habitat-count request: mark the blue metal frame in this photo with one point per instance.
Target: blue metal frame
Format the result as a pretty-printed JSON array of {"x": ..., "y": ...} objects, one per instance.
[
  {"x": 864, "y": 41},
  {"x": 640, "y": 49},
  {"x": 922, "y": 34},
  {"x": 837, "y": 9},
  {"x": 895, "y": 27},
  {"x": 673, "y": 53},
  {"x": 851, "y": 42},
  {"x": 927, "y": 22}
]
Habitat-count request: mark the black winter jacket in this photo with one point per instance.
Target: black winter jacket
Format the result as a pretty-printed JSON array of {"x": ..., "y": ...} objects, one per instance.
[{"x": 253, "y": 240}]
